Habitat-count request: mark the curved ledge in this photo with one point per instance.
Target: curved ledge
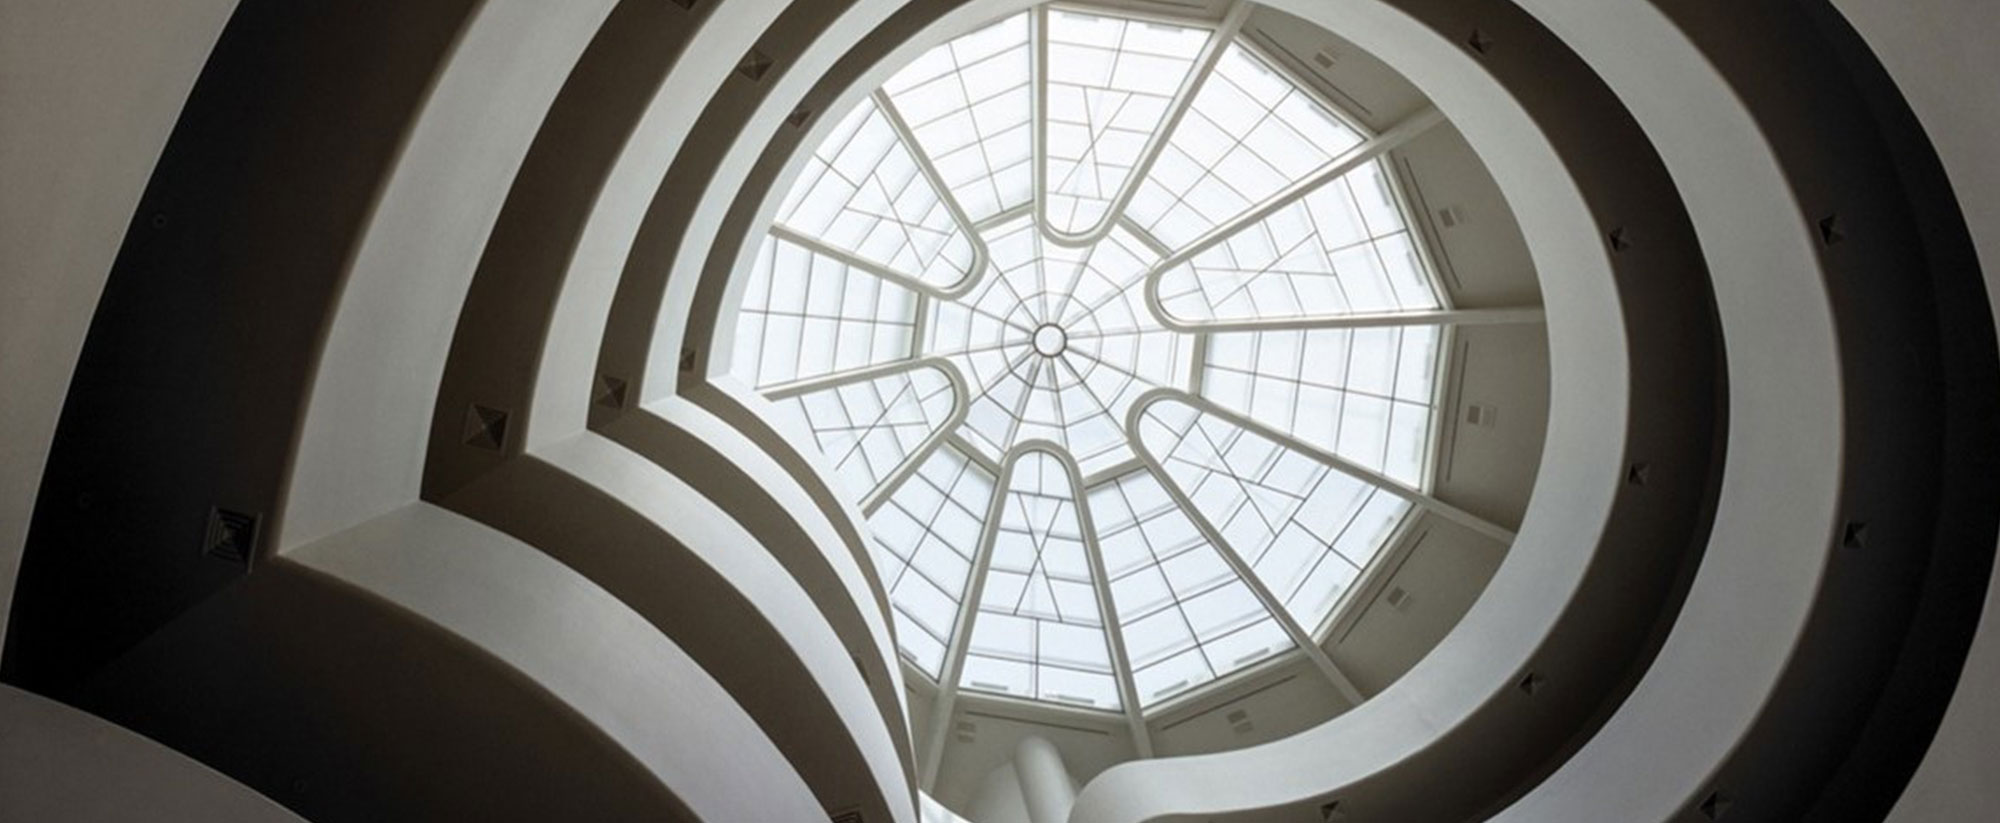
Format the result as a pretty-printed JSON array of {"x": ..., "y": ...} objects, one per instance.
[
  {"x": 685, "y": 564},
  {"x": 362, "y": 430},
  {"x": 1854, "y": 471},
  {"x": 592, "y": 653},
  {"x": 734, "y": 473},
  {"x": 58, "y": 763},
  {"x": 1596, "y": 556}
]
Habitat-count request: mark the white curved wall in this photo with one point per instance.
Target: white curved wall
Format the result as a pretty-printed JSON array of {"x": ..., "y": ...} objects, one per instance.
[
  {"x": 722, "y": 543},
  {"x": 575, "y": 640},
  {"x": 1782, "y": 476},
  {"x": 79, "y": 135},
  {"x": 368, "y": 416},
  {"x": 853, "y": 577},
  {"x": 94, "y": 128},
  {"x": 1480, "y": 659},
  {"x": 1940, "y": 53},
  {"x": 58, "y": 763}
]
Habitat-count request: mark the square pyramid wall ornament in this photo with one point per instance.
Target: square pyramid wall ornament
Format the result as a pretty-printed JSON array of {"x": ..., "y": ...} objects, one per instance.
[
  {"x": 485, "y": 428},
  {"x": 754, "y": 65},
  {"x": 231, "y": 535}
]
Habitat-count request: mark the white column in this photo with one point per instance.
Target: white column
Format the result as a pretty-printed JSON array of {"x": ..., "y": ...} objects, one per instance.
[{"x": 1045, "y": 781}]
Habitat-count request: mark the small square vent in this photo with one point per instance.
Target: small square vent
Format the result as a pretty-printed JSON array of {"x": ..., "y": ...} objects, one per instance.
[
  {"x": 1480, "y": 415},
  {"x": 608, "y": 392},
  {"x": 231, "y": 536},
  {"x": 485, "y": 428},
  {"x": 754, "y": 65},
  {"x": 1715, "y": 805},
  {"x": 1239, "y": 722},
  {"x": 1398, "y": 598}
]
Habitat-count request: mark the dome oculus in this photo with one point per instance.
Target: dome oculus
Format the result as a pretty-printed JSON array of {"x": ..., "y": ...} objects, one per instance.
[{"x": 1085, "y": 345}]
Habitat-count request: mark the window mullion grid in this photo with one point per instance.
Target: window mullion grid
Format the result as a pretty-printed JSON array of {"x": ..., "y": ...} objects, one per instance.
[
  {"x": 920, "y": 324},
  {"x": 1113, "y": 472},
  {"x": 1511, "y": 316},
  {"x": 1114, "y": 633},
  {"x": 1198, "y": 364},
  {"x": 1005, "y": 216},
  {"x": 1228, "y": 553},
  {"x": 1367, "y": 152},
  {"x": 973, "y": 452},
  {"x": 1144, "y": 237},
  {"x": 1401, "y": 544},
  {"x": 1038, "y": 113},
  {"x": 1204, "y": 67},
  {"x": 1179, "y": 599},
  {"x": 894, "y": 116},
  {"x": 961, "y": 632},
  {"x": 1334, "y": 461},
  {"x": 1303, "y": 81},
  {"x": 861, "y": 431},
  {"x": 862, "y": 264},
  {"x": 795, "y": 388},
  {"x": 960, "y": 407}
]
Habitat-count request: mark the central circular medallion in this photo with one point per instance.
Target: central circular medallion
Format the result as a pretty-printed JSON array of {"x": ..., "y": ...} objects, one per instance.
[{"x": 1050, "y": 340}]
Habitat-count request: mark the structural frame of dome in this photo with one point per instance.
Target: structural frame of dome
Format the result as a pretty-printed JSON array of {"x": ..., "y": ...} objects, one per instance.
[{"x": 914, "y": 275}]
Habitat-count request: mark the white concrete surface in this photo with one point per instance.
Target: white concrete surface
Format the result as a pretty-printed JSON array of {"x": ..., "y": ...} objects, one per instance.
[
  {"x": 79, "y": 136},
  {"x": 60, "y": 764},
  {"x": 586, "y": 648}
]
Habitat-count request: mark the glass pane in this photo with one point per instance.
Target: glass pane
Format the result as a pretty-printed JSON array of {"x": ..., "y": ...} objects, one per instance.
[
  {"x": 1318, "y": 256},
  {"x": 1365, "y": 395},
  {"x": 1110, "y": 84},
  {"x": 1111, "y": 348},
  {"x": 1181, "y": 598},
  {"x": 1250, "y": 132},
  {"x": 1284, "y": 513},
  {"x": 929, "y": 529},
  {"x": 968, "y": 103},
  {"x": 776, "y": 344},
  {"x": 1058, "y": 344},
  {"x": 863, "y": 192},
  {"x": 868, "y": 429},
  {"x": 1040, "y": 608}
]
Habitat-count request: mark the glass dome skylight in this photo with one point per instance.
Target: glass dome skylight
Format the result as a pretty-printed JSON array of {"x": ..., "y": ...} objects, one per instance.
[{"x": 1120, "y": 336}]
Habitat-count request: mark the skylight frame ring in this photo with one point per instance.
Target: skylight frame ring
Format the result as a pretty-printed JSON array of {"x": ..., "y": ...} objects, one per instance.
[{"x": 1197, "y": 339}]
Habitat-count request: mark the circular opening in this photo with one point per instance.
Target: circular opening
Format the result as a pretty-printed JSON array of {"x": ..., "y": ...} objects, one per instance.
[
  {"x": 1050, "y": 340},
  {"x": 1254, "y": 337}
]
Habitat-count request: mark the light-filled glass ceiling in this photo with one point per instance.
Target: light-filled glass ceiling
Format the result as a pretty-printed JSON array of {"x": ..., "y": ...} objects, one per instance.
[{"x": 1096, "y": 318}]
